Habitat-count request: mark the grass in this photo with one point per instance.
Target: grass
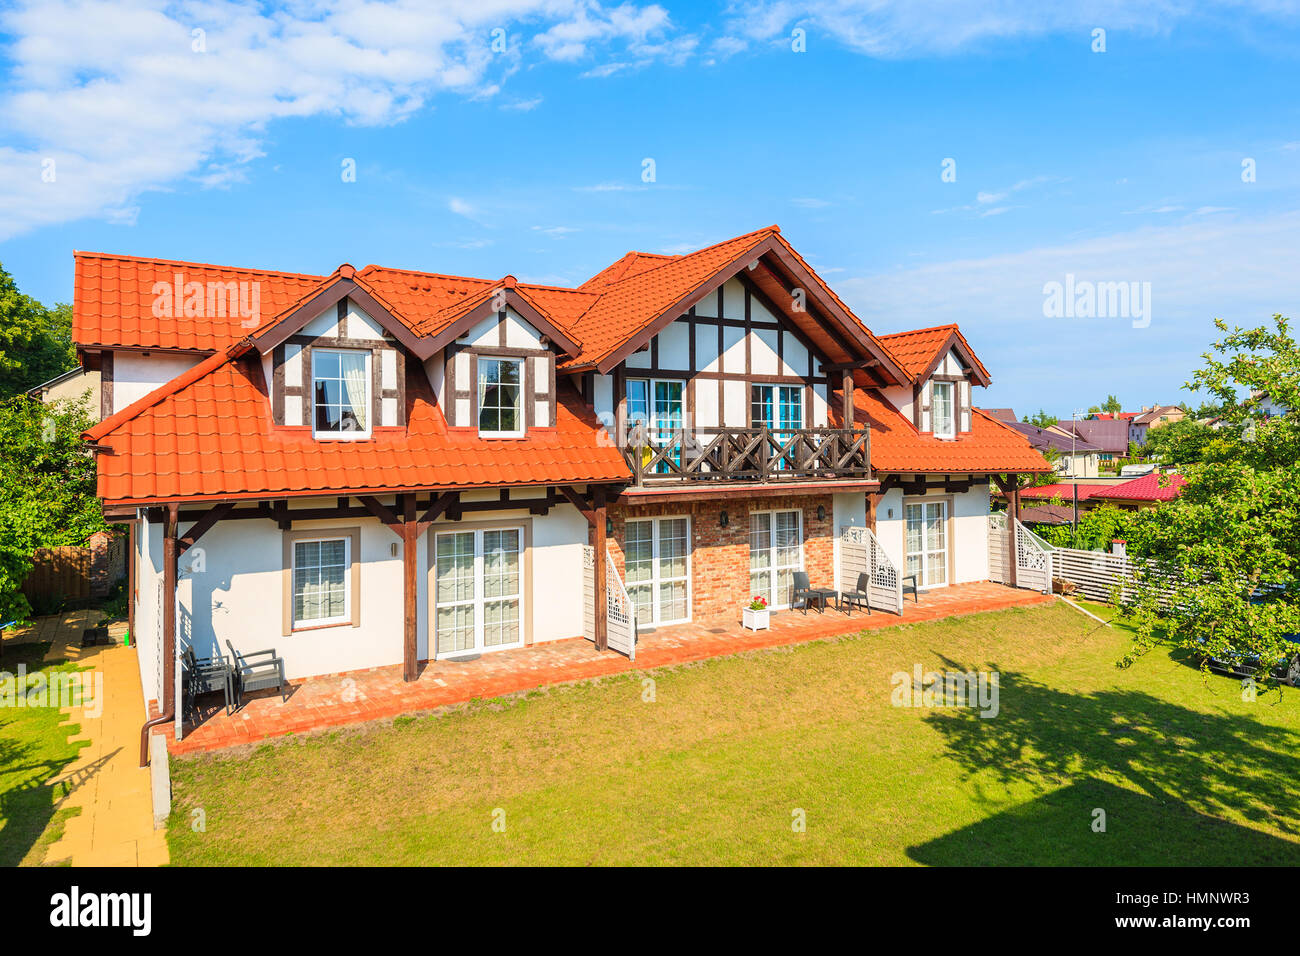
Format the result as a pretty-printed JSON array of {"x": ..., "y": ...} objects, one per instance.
[
  {"x": 725, "y": 757},
  {"x": 34, "y": 747}
]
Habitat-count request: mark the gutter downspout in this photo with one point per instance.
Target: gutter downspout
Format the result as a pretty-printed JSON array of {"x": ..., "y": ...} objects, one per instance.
[{"x": 170, "y": 565}]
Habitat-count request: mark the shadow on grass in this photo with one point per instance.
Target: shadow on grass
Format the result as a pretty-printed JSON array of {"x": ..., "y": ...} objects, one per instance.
[
  {"x": 34, "y": 748},
  {"x": 1171, "y": 781}
]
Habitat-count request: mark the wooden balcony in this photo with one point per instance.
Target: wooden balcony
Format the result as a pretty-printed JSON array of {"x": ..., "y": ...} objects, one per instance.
[{"x": 671, "y": 456}]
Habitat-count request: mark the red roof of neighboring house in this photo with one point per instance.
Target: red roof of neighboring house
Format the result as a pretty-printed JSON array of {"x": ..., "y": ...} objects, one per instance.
[
  {"x": 208, "y": 434},
  {"x": 1047, "y": 514},
  {"x": 1064, "y": 490},
  {"x": 1152, "y": 487},
  {"x": 898, "y": 448},
  {"x": 917, "y": 350}
]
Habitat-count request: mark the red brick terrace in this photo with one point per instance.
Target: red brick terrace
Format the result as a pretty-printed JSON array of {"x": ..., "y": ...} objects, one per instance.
[{"x": 359, "y": 696}]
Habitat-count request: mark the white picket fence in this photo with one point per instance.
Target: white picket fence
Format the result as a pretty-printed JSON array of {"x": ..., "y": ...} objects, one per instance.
[
  {"x": 620, "y": 613},
  {"x": 861, "y": 553}
]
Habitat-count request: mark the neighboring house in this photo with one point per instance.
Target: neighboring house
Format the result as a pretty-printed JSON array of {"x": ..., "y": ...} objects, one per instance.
[
  {"x": 1007, "y": 415},
  {"x": 381, "y": 467},
  {"x": 75, "y": 385},
  {"x": 1268, "y": 405},
  {"x": 1152, "y": 417},
  {"x": 1108, "y": 435},
  {"x": 1145, "y": 492},
  {"x": 1078, "y": 458}
]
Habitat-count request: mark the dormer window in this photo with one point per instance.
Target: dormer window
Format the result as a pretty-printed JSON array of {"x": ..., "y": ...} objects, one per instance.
[
  {"x": 341, "y": 381},
  {"x": 499, "y": 388},
  {"x": 945, "y": 418}
]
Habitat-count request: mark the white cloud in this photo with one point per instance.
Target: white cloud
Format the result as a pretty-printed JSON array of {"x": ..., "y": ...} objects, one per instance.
[
  {"x": 901, "y": 28},
  {"x": 461, "y": 207},
  {"x": 126, "y": 97},
  {"x": 555, "y": 232}
]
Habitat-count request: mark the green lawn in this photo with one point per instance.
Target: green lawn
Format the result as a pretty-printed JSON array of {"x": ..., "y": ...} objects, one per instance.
[
  {"x": 717, "y": 767},
  {"x": 34, "y": 747}
]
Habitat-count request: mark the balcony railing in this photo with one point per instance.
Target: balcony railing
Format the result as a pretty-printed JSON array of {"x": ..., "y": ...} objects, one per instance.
[{"x": 657, "y": 455}]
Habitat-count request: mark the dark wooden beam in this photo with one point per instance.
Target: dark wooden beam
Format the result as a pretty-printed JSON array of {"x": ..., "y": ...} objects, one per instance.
[
  {"x": 205, "y": 523},
  {"x": 380, "y": 511},
  {"x": 579, "y": 502},
  {"x": 436, "y": 508},
  {"x": 410, "y": 530},
  {"x": 602, "y": 606}
]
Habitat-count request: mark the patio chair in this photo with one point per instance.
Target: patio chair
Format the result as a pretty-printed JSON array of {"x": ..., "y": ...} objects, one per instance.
[
  {"x": 258, "y": 670},
  {"x": 909, "y": 584},
  {"x": 803, "y": 594},
  {"x": 858, "y": 597},
  {"x": 205, "y": 675}
]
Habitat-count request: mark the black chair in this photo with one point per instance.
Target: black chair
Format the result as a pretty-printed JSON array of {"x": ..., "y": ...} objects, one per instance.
[
  {"x": 205, "y": 675},
  {"x": 259, "y": 670},
  {"x": 909, "y": 584},
  {"x": 859, "y": 597},
  {"x": 804, "y": 595}
]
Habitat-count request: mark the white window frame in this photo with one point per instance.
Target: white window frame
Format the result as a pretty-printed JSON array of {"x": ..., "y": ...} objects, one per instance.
[
  {"x": 775, "y": 603},
  {"x": 346, "y": 616},
  {"x": 370, "y": 398},
  {"x": 655, "y": 578},
  {"x": 480, "y": 599},
  {"x": 951, "y": 431},
  {"x": 518, "y": 360}
]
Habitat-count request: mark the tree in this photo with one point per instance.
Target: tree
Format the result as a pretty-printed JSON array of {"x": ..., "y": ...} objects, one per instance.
[
  {"x": 35, "y": 342},
  {"x": 1179, "y": 443},
  {"x": 47, "y": 489},
  {"x": 1112, "y": 405},
  {"x": 1231, "y": 539},
  {"x": 1042, "y": 419}
]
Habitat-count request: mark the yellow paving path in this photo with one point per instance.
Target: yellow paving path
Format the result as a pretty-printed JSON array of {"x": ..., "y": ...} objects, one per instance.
[{"x": 115, "y": 826}]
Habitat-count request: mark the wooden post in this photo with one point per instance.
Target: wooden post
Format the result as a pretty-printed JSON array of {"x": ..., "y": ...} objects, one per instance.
[
  {"x": 847, "y": 384},
  {"x": 171, "y": 561},
  {"x": 873, "y": 501},
  {"x": 410, "y": 542},
  {"x": 598, "y": 532},
  {"x": 130, "y": 577}
]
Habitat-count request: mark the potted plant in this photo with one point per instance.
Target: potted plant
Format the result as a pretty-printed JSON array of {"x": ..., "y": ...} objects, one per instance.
[{"x": 757, "y": 614}]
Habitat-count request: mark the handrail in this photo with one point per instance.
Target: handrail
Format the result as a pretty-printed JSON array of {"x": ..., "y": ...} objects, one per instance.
[{"x": 712, "y": 453}]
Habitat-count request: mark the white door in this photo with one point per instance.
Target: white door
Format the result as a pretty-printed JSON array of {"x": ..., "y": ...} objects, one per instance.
[
  {"x": 478, "y": 590},
  {"x": 927, "y": 542},
  {"x": 775, "y": 553},
  {"x": 656, "y": 558}
]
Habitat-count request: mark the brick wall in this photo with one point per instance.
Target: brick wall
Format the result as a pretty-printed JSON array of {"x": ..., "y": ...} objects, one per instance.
[{"x": 720, "y": 556}]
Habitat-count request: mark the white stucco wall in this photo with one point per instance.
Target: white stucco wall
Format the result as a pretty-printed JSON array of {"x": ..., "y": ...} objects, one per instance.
[
  {"x": 849, "y": 510},
  {"x": 968, "y": 529},
  {"x": 135, "y": 375}
]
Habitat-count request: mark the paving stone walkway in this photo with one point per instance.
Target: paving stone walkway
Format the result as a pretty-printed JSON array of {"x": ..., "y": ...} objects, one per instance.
[
  {"x": 360, "y": 696},
  {"x": 115, "y": 825}
]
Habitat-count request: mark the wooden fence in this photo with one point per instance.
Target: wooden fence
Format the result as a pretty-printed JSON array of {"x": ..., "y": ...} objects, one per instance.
[{"x": 58, "y": 575}]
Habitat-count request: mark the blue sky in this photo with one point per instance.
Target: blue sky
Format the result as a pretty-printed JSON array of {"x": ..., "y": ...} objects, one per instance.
[{"x": 1115, "y": 166}]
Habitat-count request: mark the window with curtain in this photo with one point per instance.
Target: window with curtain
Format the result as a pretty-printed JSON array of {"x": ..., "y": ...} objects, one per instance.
[
  {"x": 320, "y": 581},
  {"x": 945, "y": 425},
  {"x": 341, "y": 392},
  {"x": 499, "y": 388}
]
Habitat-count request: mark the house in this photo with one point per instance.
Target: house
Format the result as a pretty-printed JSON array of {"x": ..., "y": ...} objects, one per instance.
[
  {"x": 1003, "y": 414},
  {"x": 1108, "y": 435},
  {"x": 76, "y": 384},
  {"x": 384, "y": 467},
  {"x": 1145, "y": 492},
  {"x": 1152, "y": 417},
  {"x": 1078, "y": 458}
]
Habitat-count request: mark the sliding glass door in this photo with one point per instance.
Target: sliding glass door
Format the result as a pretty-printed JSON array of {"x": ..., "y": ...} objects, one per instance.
[
  {"x": 657, "y": 404},
  {"x": 927, "y": 542},
  {"x": 478, "y": 590},
  {"x": 775, "y": 553}
]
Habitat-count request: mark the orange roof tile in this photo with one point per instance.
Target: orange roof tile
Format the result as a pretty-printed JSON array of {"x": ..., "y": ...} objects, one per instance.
[
  {"x": 113, "y": 302},
  {"x": 208, "y": 434},
  {"x": 898, "y": 448},
  {"x": 916, "y": 349}
]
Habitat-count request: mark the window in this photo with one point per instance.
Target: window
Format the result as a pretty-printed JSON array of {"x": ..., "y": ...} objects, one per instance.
[
  {"x": 320, "y": 582},
  {"x": 500, "y": 384},
  {"x": 656, "y": 553},
  {"x": 775, "y": 553},
  {"x": 341, "y": 393},
  {"x": 780, "y": 408},
  {"x": 942, "y": 410},
  {"x": 657, "y": 405},
  {"x": 478, "y": 590}
]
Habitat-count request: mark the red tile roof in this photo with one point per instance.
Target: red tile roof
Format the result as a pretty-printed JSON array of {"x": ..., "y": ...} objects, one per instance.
[
  {"x": 208, "y": 434},
  {"x": 1152, "y": 487},
  {"x": 917, "y": 349},
  {"x": 898, "y": 448},
  {"x": 113, "y": 302},
  {"x": 1065, "y": 491}
]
